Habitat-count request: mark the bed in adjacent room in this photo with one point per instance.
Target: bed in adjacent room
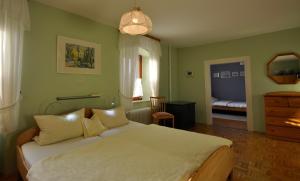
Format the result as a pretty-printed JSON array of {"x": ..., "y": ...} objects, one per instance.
[
  {"x": 133, "y": 151},
  {"x": 228, "y": 105}
]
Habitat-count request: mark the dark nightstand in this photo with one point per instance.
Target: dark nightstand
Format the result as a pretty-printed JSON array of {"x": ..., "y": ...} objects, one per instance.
[{"x": 184, "y": 113}]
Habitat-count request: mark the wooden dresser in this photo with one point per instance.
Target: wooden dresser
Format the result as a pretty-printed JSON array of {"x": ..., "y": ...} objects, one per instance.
[{"x": 282, "y": 115}]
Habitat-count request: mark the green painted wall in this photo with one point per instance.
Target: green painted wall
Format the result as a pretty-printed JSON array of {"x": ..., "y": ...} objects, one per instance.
[
  {"x": 40, "y": 82},
  {"x": 260, "y": 49},
  {"x": 169, "y": 72},
  {"x": 164, "y": 72},
  {"x": 174, "y": 74}
]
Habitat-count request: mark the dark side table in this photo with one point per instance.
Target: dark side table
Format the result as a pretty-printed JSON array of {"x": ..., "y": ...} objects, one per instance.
[{"x": 184, "y": 113}]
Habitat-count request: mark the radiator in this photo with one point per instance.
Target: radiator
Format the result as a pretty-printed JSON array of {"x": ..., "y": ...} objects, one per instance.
[{"x": 141, "y": 115}]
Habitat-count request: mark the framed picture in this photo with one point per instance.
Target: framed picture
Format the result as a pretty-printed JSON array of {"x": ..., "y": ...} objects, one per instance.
[
  {"x": 77, "y": 56},
  {"x": 242, "y": 74},
  {"x": 216, "y": 75},
  {"x": 225, "y": 75},
  {"x": 235, "y": 74}
]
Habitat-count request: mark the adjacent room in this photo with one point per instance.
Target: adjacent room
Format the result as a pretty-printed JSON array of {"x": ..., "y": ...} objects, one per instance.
[
  {"x": 228, "y": 102},
  {"x": 143, "y": 90}
]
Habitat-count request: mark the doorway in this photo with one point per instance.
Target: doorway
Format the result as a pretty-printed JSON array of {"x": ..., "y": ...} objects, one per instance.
[{"x": 234, "y": 109}]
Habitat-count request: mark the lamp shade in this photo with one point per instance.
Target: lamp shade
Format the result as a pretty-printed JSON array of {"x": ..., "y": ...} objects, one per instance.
[{"x": 135, "y": 22}]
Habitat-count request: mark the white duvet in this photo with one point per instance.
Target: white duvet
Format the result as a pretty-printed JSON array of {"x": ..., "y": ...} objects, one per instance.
[
  {"x": 143, "y": 154},
  {"x": 221, "y": 103},
  {"x": 33, "y": 152},
  {"x": 237, "y": 104},
  {"x": 230, "y": 104}
]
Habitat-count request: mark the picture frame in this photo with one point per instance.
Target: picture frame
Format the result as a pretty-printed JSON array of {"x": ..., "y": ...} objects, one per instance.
[
  {"x": 76, "y": 56},
  {"x": 216, "y": 75},
  {"x": 242, "y": 73},
  {"x": 225, "y": 75},
  {"x": 235, "y": 74}
]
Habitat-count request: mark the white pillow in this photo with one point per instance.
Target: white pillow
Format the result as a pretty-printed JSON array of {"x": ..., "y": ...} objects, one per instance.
[
  {"x": 58, "y": 128},
  {"x": 112, "y": 118},
  {"x": 213, "y": 99},
  {"x": 93, "y": 126}
]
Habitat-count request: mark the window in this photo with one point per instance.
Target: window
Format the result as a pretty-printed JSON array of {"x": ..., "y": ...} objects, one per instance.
[
  {"x": 142, "y": 84},
  {"x": 138, "y": 87}
]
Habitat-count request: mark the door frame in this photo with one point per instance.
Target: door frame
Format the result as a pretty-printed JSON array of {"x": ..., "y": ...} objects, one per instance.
[{"x": 248, "y": 87}]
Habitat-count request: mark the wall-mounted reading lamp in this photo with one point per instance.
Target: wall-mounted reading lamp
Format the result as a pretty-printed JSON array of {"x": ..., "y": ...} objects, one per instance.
[
  {"x": 69, "y": 98},
  {"x": 77, "y": 97}
]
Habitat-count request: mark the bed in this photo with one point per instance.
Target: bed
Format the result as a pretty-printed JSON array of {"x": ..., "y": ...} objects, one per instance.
[
  {"x": 227, "y": 105},
  {"x": 35, "y": 162}
]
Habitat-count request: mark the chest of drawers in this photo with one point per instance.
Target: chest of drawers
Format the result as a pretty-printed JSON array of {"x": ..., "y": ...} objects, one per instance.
[{"x": 282, "y": 115}]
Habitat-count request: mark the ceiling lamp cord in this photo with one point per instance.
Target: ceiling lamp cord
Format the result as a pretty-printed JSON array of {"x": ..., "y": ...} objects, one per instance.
[{"x": 135, "y": 22}]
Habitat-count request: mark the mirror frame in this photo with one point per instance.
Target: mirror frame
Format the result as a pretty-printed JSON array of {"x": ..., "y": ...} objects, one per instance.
[{"x": 283, "y": 79}]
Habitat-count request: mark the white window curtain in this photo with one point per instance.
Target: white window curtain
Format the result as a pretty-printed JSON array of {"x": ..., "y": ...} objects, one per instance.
[
  {"x": 129, "y": 56},
  {"x": 154, "y": 51},
  {"x": 14, "y": 20}
]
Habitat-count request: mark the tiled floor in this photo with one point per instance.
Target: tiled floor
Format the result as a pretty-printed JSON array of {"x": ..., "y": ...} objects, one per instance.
[{"x": 259, "y": 158}]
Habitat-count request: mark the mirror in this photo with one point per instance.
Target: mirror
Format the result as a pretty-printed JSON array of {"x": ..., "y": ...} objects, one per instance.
[{"x": 284, "y": 68}]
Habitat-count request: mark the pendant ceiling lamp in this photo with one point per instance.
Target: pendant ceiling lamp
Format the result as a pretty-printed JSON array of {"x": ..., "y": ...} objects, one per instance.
[{"x": 135, "y": 22}]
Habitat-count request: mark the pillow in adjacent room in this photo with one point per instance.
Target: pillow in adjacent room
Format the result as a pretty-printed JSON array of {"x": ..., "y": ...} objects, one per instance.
[
  {"x": 213, "y": 99},
  {"x": 112, "y": 118},
  {"x": 92, "y": 126},
  {"x": 55, "y": 128}
]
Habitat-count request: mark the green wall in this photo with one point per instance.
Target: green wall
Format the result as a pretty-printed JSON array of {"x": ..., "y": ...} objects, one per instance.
[
  {"x": 168, "y": 85},
  {"x": 40, "y": 82},
  {"x": 260, "y": 49}
]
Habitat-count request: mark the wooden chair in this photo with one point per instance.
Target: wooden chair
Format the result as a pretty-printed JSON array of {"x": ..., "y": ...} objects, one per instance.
[{"x": 158, "y": 110}]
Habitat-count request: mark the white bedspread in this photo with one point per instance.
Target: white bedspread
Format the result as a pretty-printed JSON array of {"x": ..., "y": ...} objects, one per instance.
[
  {"x": 221, "y": 103},
  {"x": 230, "y": 104},
  {"x": 237, "y": 104},
  {"x": 149, "y": 153},
  {"x": 33, "y": 152}
]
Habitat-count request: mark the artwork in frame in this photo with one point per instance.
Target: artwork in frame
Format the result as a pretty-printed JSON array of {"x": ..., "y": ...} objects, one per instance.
[
  {"x": 77, "y": 56},
  {"x": 216, "y": 75},
  {"x": 225, "y": 75},
  {"x": 235, "y": 74}
]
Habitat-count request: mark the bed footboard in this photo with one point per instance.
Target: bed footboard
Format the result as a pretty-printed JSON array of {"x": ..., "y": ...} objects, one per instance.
[{"x": 218, "y": 167}]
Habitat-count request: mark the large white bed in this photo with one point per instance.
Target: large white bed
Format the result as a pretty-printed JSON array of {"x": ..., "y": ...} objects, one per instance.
[
  {"x": 228, "y": 105},
  {"x": 127, "y": 153}
]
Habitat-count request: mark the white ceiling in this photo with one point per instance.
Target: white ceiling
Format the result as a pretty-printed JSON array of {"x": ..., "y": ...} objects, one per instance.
[{"x": 194, "y": 22}]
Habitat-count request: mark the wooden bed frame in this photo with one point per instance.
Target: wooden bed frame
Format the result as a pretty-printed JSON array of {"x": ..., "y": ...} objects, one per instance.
[
  {"x": 218, "y": 167},
  {"x": 226, "y": 108}
]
